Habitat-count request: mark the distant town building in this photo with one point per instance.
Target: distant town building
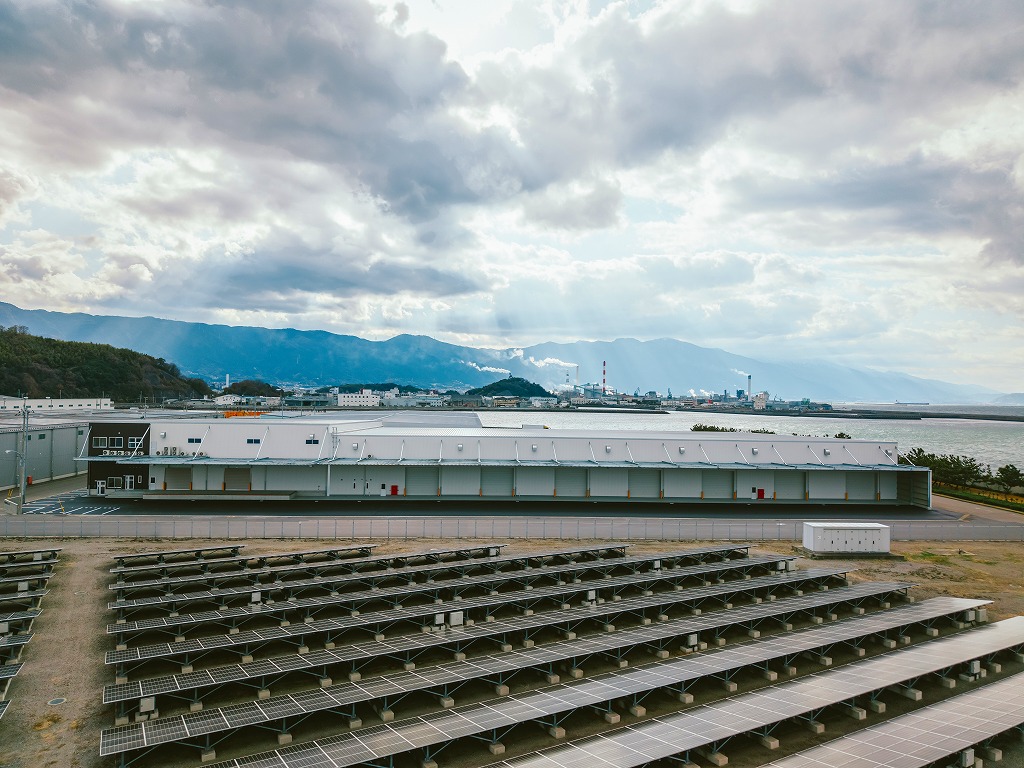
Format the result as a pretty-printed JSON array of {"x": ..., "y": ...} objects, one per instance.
[
  {"x": 55, "y": 404},
  {"x": 363, "y": 399}
]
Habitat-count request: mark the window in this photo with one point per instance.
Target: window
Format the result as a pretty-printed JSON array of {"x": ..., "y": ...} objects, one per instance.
[
  {"x": 41, "y": 437},
  {"x": 81, "y": 432},
  {"x": 114, "y": 482},
  {"x": 312, "y": 441},
  {"x": 99, "y": 442},
  {"x": 253, "y": 440},
  {"x": 195, "y": 439},
  {"x": 117, "y": 442},
  {"x": 135, "y": 442}
]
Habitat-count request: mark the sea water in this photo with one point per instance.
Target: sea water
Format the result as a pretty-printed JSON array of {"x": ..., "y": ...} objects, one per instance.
[{"x": 992, "y": 443}]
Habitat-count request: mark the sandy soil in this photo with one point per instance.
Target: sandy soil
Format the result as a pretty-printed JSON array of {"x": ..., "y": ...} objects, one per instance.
[{"x": 65, "y": 657}]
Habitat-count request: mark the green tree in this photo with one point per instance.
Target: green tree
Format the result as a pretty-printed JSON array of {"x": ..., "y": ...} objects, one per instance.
[{"x": 1009, "y": 477}]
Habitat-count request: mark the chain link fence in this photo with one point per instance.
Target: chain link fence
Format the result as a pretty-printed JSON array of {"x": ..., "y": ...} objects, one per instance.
[{"x": 485, "y": 528}]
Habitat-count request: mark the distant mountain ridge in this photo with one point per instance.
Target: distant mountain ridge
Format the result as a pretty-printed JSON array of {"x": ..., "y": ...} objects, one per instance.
[{"x": 285, "y": 355}]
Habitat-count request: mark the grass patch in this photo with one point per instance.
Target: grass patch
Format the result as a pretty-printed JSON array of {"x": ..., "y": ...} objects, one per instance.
[
  {"x": 931, "y": 557},
  {"x": 980, "y": 498},
  {"x": 51, "y": 719}
]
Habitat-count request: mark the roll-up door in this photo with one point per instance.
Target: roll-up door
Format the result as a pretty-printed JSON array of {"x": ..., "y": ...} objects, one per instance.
[
  {"x": 609, "y": 481},
  {"x": 421, "y": 481},
  {"x": 644, "y": 483},
  {"x": 497, "y": 481},
  {"x": 347, "y": 480},
  {"x": 571, "y": 482},
  {"x": 860, "y": 485},
  {"x": 179, "y": 478},
  {"x": 460, "y": 481},
  {"x": 535, "y": 481},
  {"x": 237, "y": 478},
  {"x": 789, "y": 484},
  {"x": 887, "y": 486},
  {"x": 826, "y": 484},
  {"x": 682, "y": 483},
  {"x": 716, "y": 483}
]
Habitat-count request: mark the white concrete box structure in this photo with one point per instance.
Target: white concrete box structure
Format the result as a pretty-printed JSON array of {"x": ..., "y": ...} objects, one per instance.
[
  {"x": 853, "y": 538},
  {"x": 451, "y": 456}
]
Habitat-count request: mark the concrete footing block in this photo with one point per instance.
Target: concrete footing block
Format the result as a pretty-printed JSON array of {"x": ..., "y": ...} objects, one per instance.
[
  {"x": 326, "y": 682},
  {"x": 458, "y": 656},
  {"x": 527, "y": 612},
  {"x": 786, "y": 626},
  {"x": 529, "y": 643},
  {"x": 284, "y": 738},
  {"x": 609, "y": 627},
  {"x": 247, "y": 658},
  {"x": 695, "y": 611},
  {"x": 354, "y": 677},
  {"x": 645, "y": 621},
  {"x": 994, "y": 667},
  {"x": 303, "y": 650},
  {"x": 817, "y": 620},
  {"x": 684, "y": 698},
  {"x": 770, "y": 675},
  {"x": 179, "y": 638},
  {"x": 552, "y": 678},
  {"x": 186, "y": 669},
  {"x": 120, "y": 679},
  {"x": 501, "y": 690},
  {"x": 386, "y": 715},
  {"x": 857, "y": 713},
  {"x": 715, "y": 758},
  {"x": 622, "y": 663},
  {"x": 575, "y": 673},
  {"x": 932, "y": 632},
  {"x": 569, "y": 635},
  {"x": 729, "y": 686},
  {"x": 612, "y": 718},
  {"x": 284, "y": 623},
  {"x": 888, "y": 643},
  {"x": 878, "y": 707},
  {"x": 638, "y": 710},
  {"x": 446, "y": 702},
  {"x": 858, "y": 611},
  {"x": 858, "y": 652},
  {"x": 428, "y": 764},
  {"x": 769, "y": 742},
  {"x": 815, "y": 727},
  {"x": 263, "y": 693},
  {"x": 208, "y": 755},
  {"x": 124, "y": 646},
  {"x": 662, "y": 617},
  {"x": 556, "y": 732},
  {"x": 354, "y": 723},
  {"x": 496, "y": 748},
  {"x": 753, "y": 633},
  {"x": 789, "y": 670},
  {"x": 409, "y": 666},
  {"x": 947, "y": 682},
  {"x": 992, "y": 753},
  {"x": 329, "y": 646},
  {"x": 506, "y": 647},
  {"x": 195, "y": 706},
  {"x": 719, "y": 641},
  {"x": 661, "y": 654},
  {"x": 903, "y": 639}
]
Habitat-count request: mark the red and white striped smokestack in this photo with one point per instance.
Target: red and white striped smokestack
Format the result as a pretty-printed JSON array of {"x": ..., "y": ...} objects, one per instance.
[{"x": 604, "y": 375}]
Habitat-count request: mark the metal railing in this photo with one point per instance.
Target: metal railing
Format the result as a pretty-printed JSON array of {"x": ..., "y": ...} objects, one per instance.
[{"x": 476, "y": 527}]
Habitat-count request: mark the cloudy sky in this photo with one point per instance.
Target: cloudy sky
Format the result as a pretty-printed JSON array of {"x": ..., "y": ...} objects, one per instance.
[{"x": 779, "y": 179}]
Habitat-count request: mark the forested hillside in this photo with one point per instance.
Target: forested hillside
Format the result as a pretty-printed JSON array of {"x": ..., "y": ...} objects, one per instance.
[{"x": 34, "y": 366}]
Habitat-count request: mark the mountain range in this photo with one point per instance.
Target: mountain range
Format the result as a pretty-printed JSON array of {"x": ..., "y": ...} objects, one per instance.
[{"x": 289, "y": 356}]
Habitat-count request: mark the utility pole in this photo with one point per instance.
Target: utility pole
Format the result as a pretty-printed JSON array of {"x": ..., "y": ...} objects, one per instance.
[{"x": 23, "y": 454}]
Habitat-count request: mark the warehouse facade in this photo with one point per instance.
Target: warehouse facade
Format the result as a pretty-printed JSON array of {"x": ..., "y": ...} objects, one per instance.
[{"x": 324, "y": 458}]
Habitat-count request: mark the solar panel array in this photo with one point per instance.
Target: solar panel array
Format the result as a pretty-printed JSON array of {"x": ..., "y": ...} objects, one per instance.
[
  {"x": 675, "y": 674},
  {"x": 639, "y": 621},
  {"x": 23, "y": 578},
  {"x": 926, "y": 736},
  {"x": 615, "y": 644},
  {"x": 308, "y": 606},
  {"x": 205, "y": 564},
  {"x": 411, "y": 587},
  {"x": 660, "y": 737},
  {"x": 160, "y": 556}
]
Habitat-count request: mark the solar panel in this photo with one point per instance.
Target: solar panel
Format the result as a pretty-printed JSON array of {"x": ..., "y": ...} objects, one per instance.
[
  {"x": 29, "y": 596},
  {"x": 194, "y": 552},
  {"x": 614, "y": 685},
  {"x": 206, "y": 562},
  {"x": 657, "y": 602},
  {"x": 309, "y": 604},
  {"x": 704, "y": 725},
  {"x": 392, "y": 564},
  {"x": 3, "y": 706},
  {"x": 665, "y": 736},
  {"x": 326, "y": 582},
  {"x": 7, "y": 671},
  {"x": 7, "y": 557},
  {"x": 549, "y": 653},
  {"x": 43, "y": 566},
  {"x": 925, "y": 736}
]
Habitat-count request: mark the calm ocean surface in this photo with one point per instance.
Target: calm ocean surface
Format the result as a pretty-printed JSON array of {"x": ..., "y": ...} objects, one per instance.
[{"x": 995, "y": 443}]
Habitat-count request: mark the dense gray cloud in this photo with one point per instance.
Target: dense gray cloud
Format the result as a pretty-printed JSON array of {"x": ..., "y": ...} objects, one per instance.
[{"x": 778, "y": 173}]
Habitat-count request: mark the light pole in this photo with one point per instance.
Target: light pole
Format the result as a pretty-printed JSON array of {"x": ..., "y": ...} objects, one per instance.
[{"x": 21, "y": 455}]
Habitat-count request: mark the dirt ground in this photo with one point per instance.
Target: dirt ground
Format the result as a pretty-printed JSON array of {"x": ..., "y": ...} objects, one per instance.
[{"x": 65, "y": 657}]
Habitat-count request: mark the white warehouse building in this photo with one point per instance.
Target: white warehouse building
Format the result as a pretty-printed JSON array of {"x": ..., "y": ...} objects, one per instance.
[{"x": 358, "y": 456}]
